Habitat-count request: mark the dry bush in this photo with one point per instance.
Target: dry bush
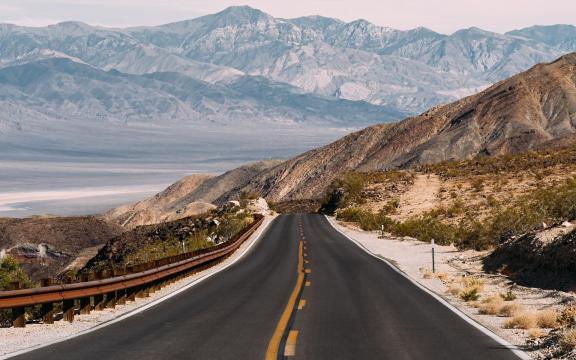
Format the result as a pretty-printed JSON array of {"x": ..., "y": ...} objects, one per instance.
[
  {"x": 426, "y": 274},
  {"x": 512, "y": 309},
  {"x": 455, "y": 289},
  {"x": 508, "y": 296},
  {"x": 471, "y": 293},
  {"x": 567, "y": 316},
  {"x": 442, "y": 276},
  {"x": 491, "y": 305},
  {"x": 547, "y": 319},
  {"x": 521, "y": 321},
  {"x": 470, "y": 281},
  {"x": 535, "y": 333},
  {"x": 473, "y": 286},
  {"x": 568, "y": 339}
]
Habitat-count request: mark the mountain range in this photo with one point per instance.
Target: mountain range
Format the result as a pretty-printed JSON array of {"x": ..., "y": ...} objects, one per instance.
[{"x": 225, "y": 66}]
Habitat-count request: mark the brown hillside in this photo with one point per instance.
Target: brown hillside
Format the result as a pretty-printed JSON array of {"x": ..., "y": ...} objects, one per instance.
[{"x": 528, "y": 111}]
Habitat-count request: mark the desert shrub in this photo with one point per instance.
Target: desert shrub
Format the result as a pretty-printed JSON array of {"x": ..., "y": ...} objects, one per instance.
[
  {"x": 455, "y": 289},
  {"x": 442, "y": 276},
  {"x": 567, "y": 316},
  {"x": 547, "y": 319},
  {"x": 491, "y": 305},
  {"x": 391, "y": 207},
  {"x": 568, "y": 339},
  {"x": 427, "y": 227},
  {"x": 470, "y": 294},
  {"x": 509, "y": 310},
  {"x": 478, "y": 185},
  {"x": 535, "y": 333},
  {"x": 367, "y": 220},
  {"x": 522, "y": 320},
  {"x": 347, "y": 189},
  {"x": 508, "y": 296},
  {"x": 248, "y": 195},
  {"x": 11, "y": 271}
]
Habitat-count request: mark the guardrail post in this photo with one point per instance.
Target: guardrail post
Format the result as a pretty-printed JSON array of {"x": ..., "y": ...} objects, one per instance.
[
  {"x": 68, "y": 307},
  {"x": 85, "y": 302},
  {"x": 98, "y": 298},
  {"x": 47, "y": 310},
  {"x": 18, "y": 313},
  {"x": 120, "y": 294}
]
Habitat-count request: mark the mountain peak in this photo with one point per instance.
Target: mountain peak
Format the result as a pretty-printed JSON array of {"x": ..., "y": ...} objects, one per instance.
[{"x": 242, "y": 12}]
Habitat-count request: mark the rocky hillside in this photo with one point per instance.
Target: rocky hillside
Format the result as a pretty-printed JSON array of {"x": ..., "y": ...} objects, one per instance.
[
  {"x": 192, "y": 195},
  {"x": 539, "y": 258},
  {"x": 47, "y": 245},
  {"x": 530, "y": 110}
]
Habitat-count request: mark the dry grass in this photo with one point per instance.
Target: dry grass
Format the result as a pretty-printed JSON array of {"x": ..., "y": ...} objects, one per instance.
[
  {"x": 547, "y": 319},
  {"x": 568, "y": 339},
  {"x": 442, "y": 276},
  {"x": 522, "y": 320},
  {"x": 512, "y": 309},
  {"x": 535, "y": 333},
  {"x": 491, "y": 305},
  {"x": 470, "y": 281},
  {"x": 568, "y": 316},
  {"x": 455, "y": 289},
  {"x": 473, "y": 286},
  {"x": 427, "y": 274}
]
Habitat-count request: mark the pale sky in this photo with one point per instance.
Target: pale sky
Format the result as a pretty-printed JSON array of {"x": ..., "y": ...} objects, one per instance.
[{"x": 442, "y": 16}]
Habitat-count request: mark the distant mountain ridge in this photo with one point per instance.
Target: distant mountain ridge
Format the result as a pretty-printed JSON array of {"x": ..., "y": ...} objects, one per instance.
[
  {"x": 74, "y": 89},
  {"x": 406, "y": 70}
]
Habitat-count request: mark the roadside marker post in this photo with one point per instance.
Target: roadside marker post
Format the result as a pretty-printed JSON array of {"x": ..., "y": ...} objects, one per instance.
[{"x": 433, "y": 260}]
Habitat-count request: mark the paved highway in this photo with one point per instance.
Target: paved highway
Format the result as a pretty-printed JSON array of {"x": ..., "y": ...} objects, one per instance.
[{"x": 304, "y": 291}]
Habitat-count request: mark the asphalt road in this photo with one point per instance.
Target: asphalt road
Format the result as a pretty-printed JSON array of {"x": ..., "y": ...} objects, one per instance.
[{"x": 356, "y": 307}]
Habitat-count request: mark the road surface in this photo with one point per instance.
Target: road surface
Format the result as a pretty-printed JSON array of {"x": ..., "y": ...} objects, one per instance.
[{"x": 342, "y": 304}]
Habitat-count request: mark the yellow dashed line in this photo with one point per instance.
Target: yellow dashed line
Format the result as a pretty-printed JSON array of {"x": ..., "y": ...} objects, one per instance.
[
  {"x": 274, "y": 343},
  {"x": 308, "y": 283},
  {"x": 290, "y": 348},
  {"x": 301, "y": 304},
  {"x": 308, "y": 271}
]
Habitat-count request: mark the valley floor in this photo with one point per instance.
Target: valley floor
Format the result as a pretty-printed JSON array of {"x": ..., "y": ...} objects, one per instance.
[{"x": 414, "y": 258}]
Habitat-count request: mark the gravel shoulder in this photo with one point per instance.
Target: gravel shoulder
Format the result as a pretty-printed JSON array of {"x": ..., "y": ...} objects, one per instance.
[
  {"x": 37, "y": 334},
  {"x": 414, "y": 258}
]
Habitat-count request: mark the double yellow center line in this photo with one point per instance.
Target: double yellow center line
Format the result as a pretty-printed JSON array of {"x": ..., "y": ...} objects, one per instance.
[{"x": 274, "y": 344}]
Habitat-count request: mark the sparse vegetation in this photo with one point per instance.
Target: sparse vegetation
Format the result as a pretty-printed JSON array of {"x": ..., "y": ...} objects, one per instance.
[
  {"x": 491, "y": 305},
  {"x": 523, "y": 320},
  {"x": 10, "y": 271},
  {"x": 495, "y": 165},
  {"x": 470, "y": 294},
  {"x": 535, "y": 333},
  {"x": 547, "y": 319},
  {"x": 508, "y": 296},
  {"x": 568, "y": 339},
  {"x": 512, "y": 309}
]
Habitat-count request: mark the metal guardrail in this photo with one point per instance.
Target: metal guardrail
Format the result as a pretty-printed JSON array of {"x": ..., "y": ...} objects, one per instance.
[{"x": 125, "y": 285}]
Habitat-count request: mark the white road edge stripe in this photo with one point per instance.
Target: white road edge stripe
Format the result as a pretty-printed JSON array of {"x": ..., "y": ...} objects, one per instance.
[
  {"x": 521, "y": 354},
  {"x": 147, "y": 306}
]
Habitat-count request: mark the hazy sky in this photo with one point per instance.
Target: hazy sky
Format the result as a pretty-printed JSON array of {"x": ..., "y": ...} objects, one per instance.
[{"x": 444, "y": 16}]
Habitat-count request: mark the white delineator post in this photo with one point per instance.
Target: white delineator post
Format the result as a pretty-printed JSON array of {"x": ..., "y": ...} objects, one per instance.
[{"x": 433, "y": 262}]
